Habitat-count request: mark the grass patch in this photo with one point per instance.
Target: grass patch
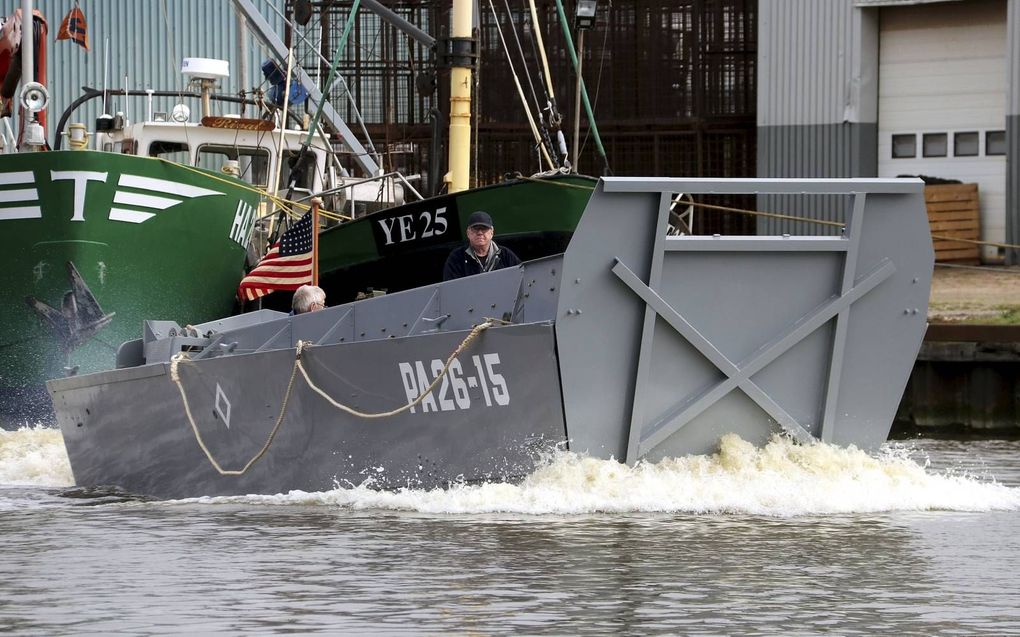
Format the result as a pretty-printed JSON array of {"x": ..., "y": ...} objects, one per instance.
[{"x": 994, "y": 315}]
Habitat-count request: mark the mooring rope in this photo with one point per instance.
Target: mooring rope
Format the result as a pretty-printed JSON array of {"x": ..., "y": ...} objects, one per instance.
[
  {"x": 773, "y": 215},
  {"x": 175, "y": 377},
  {"x": 478, "y": 329}
]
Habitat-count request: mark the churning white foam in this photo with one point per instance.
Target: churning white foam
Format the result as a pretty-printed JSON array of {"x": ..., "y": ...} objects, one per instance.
[
  {"x": 782, "y": 479},
  {"x": 34, "y": 456}
]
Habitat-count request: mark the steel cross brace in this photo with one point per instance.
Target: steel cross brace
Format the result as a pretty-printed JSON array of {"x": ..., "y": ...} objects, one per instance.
[{"x": 737, "y": 375}]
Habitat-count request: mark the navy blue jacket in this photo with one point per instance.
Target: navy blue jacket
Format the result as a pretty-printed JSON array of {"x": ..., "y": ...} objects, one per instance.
[{"x": 464, "y": 262}]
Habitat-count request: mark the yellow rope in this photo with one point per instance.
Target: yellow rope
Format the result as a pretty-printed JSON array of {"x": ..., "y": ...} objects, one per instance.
[
  {"x": 478, "y": 329},
  {"x": 757, "y": 213},
  {"x": 176, "y": 378},
  {"x": 180, "y": 357},
  {"x": 776, "y": 215},
  {"x": 941, "y": 237}
]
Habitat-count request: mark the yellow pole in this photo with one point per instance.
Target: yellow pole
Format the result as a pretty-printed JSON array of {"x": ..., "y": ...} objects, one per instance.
[
  {"x": 316, "y": 203},
  {"x": 459, "y": 176}
]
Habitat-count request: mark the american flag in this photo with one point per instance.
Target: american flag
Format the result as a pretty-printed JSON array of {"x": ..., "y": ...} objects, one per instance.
[{"x": 287, "y": 265}]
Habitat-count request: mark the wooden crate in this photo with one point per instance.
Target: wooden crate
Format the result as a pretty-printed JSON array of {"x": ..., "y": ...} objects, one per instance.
[{"x": 953, "y": 211}]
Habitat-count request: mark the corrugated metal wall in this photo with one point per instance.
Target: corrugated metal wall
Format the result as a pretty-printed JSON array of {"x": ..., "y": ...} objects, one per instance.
[
  {"x": 802, "y": 54},
  {"x": 817, "y": 100},
  {"x": 147, "y": 41}
]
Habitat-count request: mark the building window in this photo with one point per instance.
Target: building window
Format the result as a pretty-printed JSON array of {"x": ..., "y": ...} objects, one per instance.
[
  {"x": 995, "y": 142},
  {"x": 935, "y": 144},
  {"x": 904, "y": 146},
  {"x": 966, "y": 144}
]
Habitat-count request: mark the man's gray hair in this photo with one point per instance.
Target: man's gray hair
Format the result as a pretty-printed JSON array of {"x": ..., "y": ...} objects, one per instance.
[{"x": 305, "y": 297}]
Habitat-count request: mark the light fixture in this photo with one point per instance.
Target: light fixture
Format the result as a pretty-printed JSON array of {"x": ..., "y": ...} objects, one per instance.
[{"x": 584, "y": 16}]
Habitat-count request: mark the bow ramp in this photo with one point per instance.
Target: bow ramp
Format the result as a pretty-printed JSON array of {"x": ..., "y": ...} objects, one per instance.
[{"x": 665, "y": 343}]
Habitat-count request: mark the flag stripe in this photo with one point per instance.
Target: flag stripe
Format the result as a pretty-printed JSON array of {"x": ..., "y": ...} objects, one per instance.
[{"x": 287, "y": 265}]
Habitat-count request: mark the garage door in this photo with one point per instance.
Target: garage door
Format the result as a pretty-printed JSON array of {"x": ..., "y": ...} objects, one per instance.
[{"x": 942, "y": 99}]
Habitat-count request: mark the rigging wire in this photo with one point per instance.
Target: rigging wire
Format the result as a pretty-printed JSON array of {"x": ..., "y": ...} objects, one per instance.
[
  {"x": 369, "y": 145},
  {"x": 545, "y": 80},
  {"x": 598, "y": 80},
  {"x": 520, "y": 92},
  {"x": 537, "y": 31},
  {"x": 546, "y": 139}
]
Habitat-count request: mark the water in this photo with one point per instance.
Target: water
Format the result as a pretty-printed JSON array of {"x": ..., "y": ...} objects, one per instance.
[{"x": 922, "y": 539}]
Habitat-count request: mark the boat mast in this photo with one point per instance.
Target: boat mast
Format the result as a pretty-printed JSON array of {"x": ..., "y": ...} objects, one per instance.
[
  {"x": 262, "y": 30},
  {"x": 33, "y": 97},
  {"x": 27, "y": 52},
  {"x": 462, "y": 58}
]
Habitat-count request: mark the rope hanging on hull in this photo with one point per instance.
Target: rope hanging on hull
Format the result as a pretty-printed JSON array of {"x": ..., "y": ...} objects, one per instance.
[{"x": 175, "y": 377}]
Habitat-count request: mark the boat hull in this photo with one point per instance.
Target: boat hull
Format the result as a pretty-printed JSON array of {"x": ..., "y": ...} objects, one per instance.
[
  {"x": 464, "y": 433},
  {"x": 146, "y": 237},
  {"x": 633, "y": 345}
]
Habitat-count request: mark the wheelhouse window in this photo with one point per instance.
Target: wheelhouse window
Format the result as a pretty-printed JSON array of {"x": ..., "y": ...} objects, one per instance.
[
  {"x": 904, "y": 146},
  {"x": 305, "y": 178},
  {"x": 252, "y": 164},
  {"x": 170, "y": 151},
  {"x": 935, "y": 144}
]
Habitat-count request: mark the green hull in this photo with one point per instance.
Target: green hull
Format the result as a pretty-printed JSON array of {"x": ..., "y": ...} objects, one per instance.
[
  {"x": 150, "y": 239},
  {"x": 405, "y": 247}
]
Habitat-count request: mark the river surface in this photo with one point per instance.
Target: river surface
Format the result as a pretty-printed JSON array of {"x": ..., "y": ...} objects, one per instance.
[{"x": 922, "y": 538}]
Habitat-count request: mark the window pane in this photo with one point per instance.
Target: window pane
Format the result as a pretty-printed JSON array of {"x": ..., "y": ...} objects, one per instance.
[
  {"x": 252, "y": 163},
  {"x": 935, "y": 144},
  {"x": 904, "y": 146},
  {"x": 170, "y": 151},
  {"x": 995, "y": 142},
  {"x": 965, "y": 144}
]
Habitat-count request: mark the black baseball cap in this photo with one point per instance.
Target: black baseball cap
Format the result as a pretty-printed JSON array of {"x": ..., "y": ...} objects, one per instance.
[{"x": 479, "y": 218}]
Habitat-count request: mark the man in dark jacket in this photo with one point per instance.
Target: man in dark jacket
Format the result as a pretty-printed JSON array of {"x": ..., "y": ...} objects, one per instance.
[{"x": 481, "y": 254}]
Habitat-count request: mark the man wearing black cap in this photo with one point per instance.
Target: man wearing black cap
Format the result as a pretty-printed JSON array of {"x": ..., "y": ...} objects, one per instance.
[{"x": 481, "y": 254}]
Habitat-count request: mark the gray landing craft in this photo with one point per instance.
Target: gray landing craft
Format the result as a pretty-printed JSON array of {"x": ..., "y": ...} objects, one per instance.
[{"x": 633, "y": 344}]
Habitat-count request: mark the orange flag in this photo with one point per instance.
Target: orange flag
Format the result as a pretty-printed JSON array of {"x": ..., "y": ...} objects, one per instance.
[{"x": 74, "y": 28}]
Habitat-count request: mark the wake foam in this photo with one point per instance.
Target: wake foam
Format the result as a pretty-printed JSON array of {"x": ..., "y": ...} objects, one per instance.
[
  {"x": 34, "y": 456},
  {"x": 783, "y": 479}
]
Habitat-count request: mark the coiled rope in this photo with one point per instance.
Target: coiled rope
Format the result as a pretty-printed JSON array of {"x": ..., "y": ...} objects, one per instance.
[{"x": 175, "y": 377}]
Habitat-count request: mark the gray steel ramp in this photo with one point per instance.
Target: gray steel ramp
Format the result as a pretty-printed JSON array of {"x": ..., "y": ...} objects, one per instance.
[{"x": 666, "y": 343}]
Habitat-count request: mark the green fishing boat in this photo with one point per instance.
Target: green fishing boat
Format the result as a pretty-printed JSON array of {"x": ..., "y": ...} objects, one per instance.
[
  {"x": 136, "y": 220},
  {"x": 96, "y": 243},
  {"x": 406, "y": 246}
]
